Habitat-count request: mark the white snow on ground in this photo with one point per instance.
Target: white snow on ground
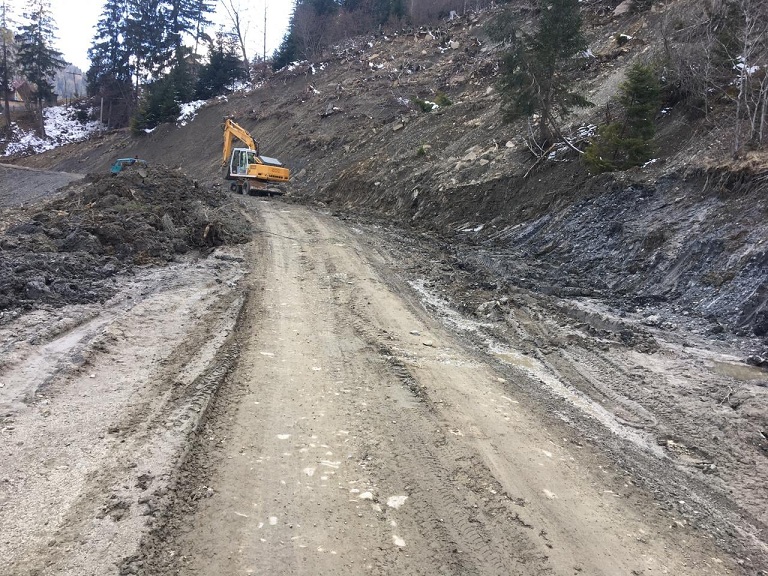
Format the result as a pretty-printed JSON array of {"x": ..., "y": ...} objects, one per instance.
[
  {"x": 61, "y": 127},
  {"x": 189, "y": 111}
]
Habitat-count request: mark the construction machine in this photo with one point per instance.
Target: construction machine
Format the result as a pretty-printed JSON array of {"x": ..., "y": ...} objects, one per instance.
[
  {"x": 123, "y": 163},
  {"x": 249, "y": 171}
]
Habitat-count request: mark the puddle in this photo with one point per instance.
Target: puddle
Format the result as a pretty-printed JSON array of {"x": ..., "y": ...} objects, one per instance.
[{"x": 743, "y": 372}]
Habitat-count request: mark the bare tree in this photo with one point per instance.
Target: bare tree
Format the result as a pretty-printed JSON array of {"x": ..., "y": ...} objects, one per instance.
[
  {"x": 239, "y": 24},
  {"x": 312, "y": 31},
  {"x": 719, "y": 56},
  {"x": 751, "y": 63}
]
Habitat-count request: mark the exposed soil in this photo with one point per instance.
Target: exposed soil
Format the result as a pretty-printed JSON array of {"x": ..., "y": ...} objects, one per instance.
[
  {"x": 66, "y": 250},
  {"x": 442, "y": 367}
]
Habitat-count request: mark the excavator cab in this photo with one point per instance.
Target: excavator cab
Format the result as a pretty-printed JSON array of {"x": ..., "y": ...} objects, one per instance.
[{"x": 241, "y": 158}]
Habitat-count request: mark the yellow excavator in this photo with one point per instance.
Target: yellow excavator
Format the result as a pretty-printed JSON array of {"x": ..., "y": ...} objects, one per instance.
[{"x": 249, "y": 171}]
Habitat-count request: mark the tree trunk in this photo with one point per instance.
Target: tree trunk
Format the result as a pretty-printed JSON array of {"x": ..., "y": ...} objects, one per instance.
[
  {"x": 41, "y": 108},
  {"x": 6, "y": 97}
]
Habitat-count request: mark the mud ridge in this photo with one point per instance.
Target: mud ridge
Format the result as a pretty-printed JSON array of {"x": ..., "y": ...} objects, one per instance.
[{"x": 187, "y": 480}]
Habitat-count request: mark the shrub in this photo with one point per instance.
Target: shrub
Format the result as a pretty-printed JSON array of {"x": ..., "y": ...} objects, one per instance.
[
  {"x": 424, "y": 105},
  {"x": 442, "y": 100}
]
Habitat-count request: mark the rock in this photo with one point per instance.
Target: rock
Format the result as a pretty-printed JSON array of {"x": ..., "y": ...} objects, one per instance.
[
  {"x": 472, "y": 154},
  {"x": 716, "y": 328},
  {"x": 623, "y": 8},
  {"x": 760, "y": 324},
  {"x": 397, "y": 127},
  {"x": 36, "y": 289},
  {"x": 109, "y": 269},
  {"x": 756, "y": 360},
  {"x": 81, "y": 240},
  {"x": 652, "y": 320},
  {"x": 486, "y": 307},
  {"x": 455, "y": 45}
]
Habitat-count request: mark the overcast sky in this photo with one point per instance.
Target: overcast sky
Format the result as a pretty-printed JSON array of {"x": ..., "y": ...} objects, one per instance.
[{"x": 76, "y": 21}]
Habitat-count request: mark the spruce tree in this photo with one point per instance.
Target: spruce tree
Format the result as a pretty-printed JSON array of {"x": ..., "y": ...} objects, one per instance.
[
  {"x": 628, "y": 143},
  {"x": 223, "y": 69},
  {"x": 38, "y": 59},
  {"x": 110, "y": 73},
  {"x": 536, "y": 72},
  {"x": 146, "y": 38}
]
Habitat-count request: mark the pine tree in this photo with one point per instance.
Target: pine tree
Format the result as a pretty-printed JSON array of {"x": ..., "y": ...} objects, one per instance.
[
  {"x": 223, "y": 69},
  {"x": 287, "y": 52},
  {"x": 38, "y": 59},
  {"x": 202, "y": 8},
  {"x": 622, "y": 145},
  {"x": 146, "y": 38},
  {"x": 536, "y": 71},
  {"x": 110, "y": 73},
  {"x": 158, "y": 105},
  {"x": 185, "y": 17}
]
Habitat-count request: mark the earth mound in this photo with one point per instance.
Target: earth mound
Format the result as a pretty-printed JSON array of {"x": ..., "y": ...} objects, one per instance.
[{"x": 65, "y": 251}]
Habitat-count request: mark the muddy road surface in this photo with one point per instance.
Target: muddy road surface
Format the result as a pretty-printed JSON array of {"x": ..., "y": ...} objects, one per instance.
[
  {"x": 358, "y": 435},
  {"x": 300, "y": 405}
]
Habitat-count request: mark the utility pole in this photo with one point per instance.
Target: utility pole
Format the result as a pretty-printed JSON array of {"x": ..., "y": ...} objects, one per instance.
[
  {"x": 74, "y": 84},
  {"x": 264, "y": 58}
]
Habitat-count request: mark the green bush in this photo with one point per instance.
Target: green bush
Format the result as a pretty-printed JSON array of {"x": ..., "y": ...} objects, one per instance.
[
  {"x": 423, "y": 105},
  {"x": 442, "y": 100}
]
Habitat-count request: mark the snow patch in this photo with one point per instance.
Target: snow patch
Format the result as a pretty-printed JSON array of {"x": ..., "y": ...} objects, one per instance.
[
  {"x": 188, "y": 112},
  {"x": 396, "y": 501},
  {"x": 62, "y": 126}
]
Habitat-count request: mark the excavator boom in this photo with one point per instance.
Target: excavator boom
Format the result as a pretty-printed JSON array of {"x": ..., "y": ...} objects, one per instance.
[{"x": 233, "y": 130}]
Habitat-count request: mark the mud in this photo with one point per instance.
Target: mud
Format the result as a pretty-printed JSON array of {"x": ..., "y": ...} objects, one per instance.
[{"x": 69, "y": 249}]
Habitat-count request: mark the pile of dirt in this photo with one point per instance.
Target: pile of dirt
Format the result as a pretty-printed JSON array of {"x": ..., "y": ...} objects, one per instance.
[{"x": 66, "y": 250}]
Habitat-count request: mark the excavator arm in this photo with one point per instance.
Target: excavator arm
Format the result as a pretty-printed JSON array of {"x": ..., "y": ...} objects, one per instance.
[{"x": 233, "y": 130}]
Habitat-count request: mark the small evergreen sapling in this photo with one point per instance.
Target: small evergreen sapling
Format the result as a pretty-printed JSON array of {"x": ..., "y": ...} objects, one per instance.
[{"x": 629, "y": 142}]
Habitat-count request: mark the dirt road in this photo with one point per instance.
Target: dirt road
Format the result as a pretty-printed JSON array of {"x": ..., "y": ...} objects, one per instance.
[
  {"x": 20, "y": 185},
  {"x": 298, "y": 406},
  {"x": 357, "y": 435}
]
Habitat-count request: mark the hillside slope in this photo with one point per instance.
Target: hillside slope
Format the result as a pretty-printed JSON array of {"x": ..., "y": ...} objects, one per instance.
[{"x": 680, "y": 233}]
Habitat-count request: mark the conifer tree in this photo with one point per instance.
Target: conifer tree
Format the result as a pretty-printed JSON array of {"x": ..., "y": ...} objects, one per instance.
[
  {"x": 628, "y": 143},
  {"x": 223, "y": 69},
  {"x": 109, "y": 75},
  {"x": 536, "y": 71},
  {"x": 38, "y": 59},
  {"x": 146, "y": 38},
  {"x": 185, "y": 17}
]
